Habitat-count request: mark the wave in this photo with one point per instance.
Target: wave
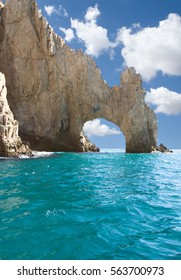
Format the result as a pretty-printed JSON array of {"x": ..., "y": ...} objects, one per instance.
[{"x": 37, "y": 154}]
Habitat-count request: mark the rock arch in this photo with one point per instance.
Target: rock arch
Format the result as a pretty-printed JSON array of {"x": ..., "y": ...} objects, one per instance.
[{"x": 53, "y": 90}]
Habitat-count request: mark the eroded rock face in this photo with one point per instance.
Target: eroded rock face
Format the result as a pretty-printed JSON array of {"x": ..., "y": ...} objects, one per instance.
[
  {"x": 87, "y": 146},
  {"x": 10, "y": 143},
  {"x": 53, "y": 90}
]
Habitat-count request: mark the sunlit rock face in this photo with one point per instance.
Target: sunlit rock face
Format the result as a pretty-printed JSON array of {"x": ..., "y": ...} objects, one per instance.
[
  {"x": 10, "y": 142},
  {"x": 53, "y": 90}
]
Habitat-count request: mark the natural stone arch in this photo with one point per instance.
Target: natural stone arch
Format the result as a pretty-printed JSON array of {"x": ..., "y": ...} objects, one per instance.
[
  {"x": 53, "y": 90},
  {"x": 125, "y": 106}
]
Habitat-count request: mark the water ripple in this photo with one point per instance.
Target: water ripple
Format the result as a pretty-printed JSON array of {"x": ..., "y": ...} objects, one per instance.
[{"x": 91, "y": 206}]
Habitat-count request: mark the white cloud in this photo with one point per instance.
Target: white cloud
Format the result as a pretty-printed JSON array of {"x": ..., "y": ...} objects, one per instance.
[
  {"x": 94, "y": 37},
  {"x": 149, "y": 49},
  {"x": 153, "y": 49},
  {"x": 92, "y": 13},
  {"x": 60, "y": 11},
  {"x": 49, "y": 10},
  {"x": 166, "y": 101},
  {"x": 63, "y": 11},
  {"x": 69, "y": 34},
  {"x": 95, "y": 128},
  {"x": 136, "y": 25}
]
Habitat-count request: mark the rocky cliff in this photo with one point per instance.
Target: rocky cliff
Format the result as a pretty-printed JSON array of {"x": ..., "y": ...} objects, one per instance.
[
  {"x": 10, "y": 142},
  {"x": 53, "y": 90}
]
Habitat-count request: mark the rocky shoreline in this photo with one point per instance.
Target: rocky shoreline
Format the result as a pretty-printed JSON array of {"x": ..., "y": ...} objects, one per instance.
[{"x": 161, "y": 149}]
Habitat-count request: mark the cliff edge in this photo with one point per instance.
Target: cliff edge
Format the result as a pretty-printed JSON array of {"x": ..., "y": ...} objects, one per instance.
[{"x": 53, "y": 90}]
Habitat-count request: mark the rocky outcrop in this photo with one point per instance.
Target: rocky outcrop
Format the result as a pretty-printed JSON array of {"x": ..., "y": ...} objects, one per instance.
[
  {"x": 10, "y": 143},
  {"x": 53, "y": 90},
  {"x": 161, "y": 149},
  {"x": 87, "y": 146}
]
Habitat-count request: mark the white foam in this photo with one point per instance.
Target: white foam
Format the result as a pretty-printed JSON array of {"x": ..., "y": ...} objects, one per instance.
[
  {"x": 24, "y": 156},
  {"x": 37, "y": 154}
]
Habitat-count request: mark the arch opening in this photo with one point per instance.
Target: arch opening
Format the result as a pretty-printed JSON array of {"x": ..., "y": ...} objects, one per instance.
[{"x": 104, "y": 134}]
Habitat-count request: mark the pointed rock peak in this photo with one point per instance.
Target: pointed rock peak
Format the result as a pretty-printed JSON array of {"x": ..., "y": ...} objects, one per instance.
[{"x": 129, "y": 75}]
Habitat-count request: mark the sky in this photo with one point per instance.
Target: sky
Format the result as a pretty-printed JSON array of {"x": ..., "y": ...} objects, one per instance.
[{"x": 121, "y": 33}]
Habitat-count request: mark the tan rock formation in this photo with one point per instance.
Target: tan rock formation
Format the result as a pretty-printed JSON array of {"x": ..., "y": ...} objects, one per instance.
[
  {"x": 54, "y": 90},
  {"x": 87, "y": 146},
  {"x": 10, "y": 143}
]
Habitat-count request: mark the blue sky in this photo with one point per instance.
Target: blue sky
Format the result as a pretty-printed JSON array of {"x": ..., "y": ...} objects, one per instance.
[{"x": 119, "y": 33}]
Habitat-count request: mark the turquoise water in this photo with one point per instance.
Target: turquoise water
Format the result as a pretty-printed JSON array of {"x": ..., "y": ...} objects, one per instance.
[{"x": 91, "y": 206}]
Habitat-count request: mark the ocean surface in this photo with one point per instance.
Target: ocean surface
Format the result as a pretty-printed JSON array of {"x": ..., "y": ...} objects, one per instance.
[{"x": 97, "y": 206}]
